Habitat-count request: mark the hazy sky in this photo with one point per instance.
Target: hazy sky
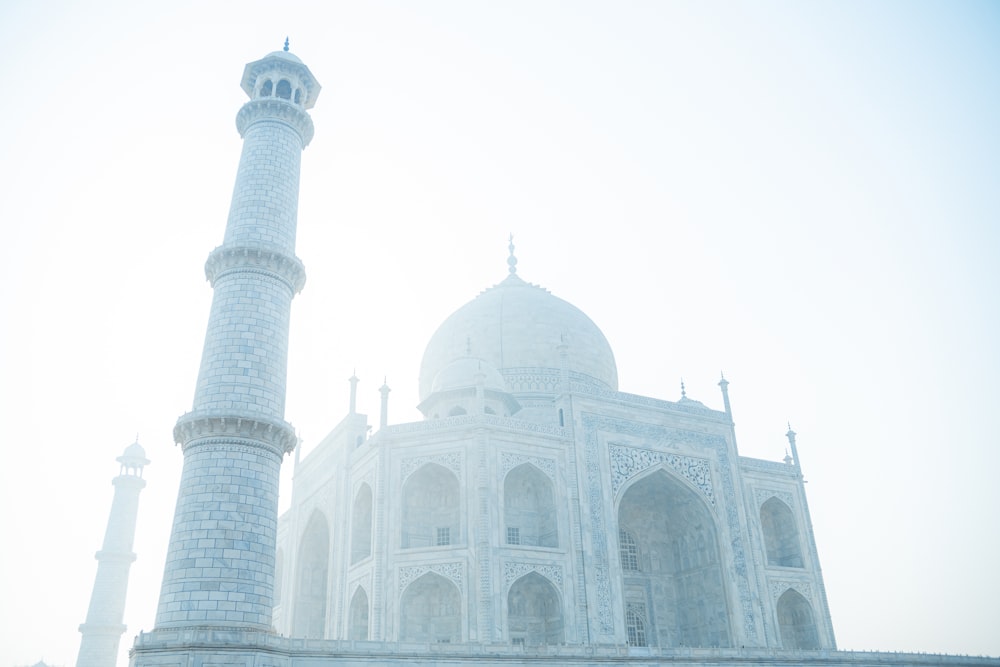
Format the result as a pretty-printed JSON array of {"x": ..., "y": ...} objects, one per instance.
[{"x": 805, "y": 195}]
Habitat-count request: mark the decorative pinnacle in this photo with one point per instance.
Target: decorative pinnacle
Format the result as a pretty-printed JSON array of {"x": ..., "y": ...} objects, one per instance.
[
  {"x": 286, "y": 43},
  {"x": 683, "y": 392},
  {"x": 512, "y": 261}
]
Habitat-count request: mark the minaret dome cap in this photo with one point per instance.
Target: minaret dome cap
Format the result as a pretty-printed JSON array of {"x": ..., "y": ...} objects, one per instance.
[
  {"x": 134, "y": 456},
  {"x": 282, "y": 63}
]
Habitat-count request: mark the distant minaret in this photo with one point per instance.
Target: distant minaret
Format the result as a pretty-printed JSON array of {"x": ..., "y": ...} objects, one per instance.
[
  {"x": 104, "y": 628},
  {"x": 220, "y": 562}
]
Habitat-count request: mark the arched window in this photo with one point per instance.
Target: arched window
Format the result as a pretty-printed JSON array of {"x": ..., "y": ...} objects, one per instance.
[
  {"x": 430, "y": 508},
  {"x": 284, "y": 90},
  {"x": 795, "y": 621},
  {"x": 781, "y": 538},
  {"x": 430, "y": 610},
  {"x": 266, "y": 89},
  {"x": 628, "y": 551},
  {"x": 361, "y": 525},
  {"x": 529, "y": 508},
  {"x": 357, "y": 619},
  {"x": 674, "y": 532},
  {"x": 635, "y": 624},
  {"x": 309, "y": 619},
  {"x": 534, "y": 612}
]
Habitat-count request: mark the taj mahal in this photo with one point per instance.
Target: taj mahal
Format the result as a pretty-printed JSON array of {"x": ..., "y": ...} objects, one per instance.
[{"x": 538, "y": 514}]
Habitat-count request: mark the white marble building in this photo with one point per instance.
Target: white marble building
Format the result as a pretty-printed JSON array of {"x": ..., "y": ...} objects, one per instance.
[
  {"x": 538, "y": 505},
  {"x": 537, "y": 515}
]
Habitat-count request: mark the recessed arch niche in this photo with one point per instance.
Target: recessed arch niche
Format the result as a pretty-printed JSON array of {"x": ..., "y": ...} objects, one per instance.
[
  {"x": 679, "y": 574},
  {"x": 309, "y": 618},
  {"x": 795, "y": 621},
  {"x": 781, "y": 537},
  {"x": 357, "y": 616},
  {"x": 529, "y": 508},
  {"x": 534, "y": 612},
  {"x": 361, "y": 525},
  {"x": 430, "y": 508},
  {"x": 430, "y": 610}
]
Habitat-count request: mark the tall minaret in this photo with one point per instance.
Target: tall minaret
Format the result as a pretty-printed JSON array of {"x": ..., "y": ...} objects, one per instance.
[
  {"x": 220, "y": 562},
  {"x": 104, "y": 628}
]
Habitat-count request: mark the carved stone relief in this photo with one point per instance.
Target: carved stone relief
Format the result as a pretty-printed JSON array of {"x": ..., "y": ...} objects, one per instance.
[
  {"x": 627, "y": 462},
  {"x": 509, "y": 461},
  {"x": 453, "y": 571},
  {"x": 513, "y": 571},
  {"x": 450, "y": 460}
]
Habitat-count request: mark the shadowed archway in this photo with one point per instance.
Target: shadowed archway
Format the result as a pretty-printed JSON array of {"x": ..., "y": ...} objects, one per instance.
[{"x": 671, "y": 564}]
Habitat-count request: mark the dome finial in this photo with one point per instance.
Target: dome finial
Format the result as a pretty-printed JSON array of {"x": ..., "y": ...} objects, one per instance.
[
  {"x": 511, "y": 261},
  {"x": 683, "y": 392},
  {"x": 286, "y": 43}
]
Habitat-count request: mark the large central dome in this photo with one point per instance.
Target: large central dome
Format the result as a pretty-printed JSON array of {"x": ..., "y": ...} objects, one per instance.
[{"x": 517, "y": 328}]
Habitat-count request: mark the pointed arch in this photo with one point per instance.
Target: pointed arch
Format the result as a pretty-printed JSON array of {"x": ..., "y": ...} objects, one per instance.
[
  {"x": 430, "y": 508},
  {"x": 795, "y": 621},
  {"x": 529, "y": 507},
  {"x": 680, "y": 572},
  {"x": 534, "y": 612},
  {"x": 430, "y": 610},
  {"x": 309, "y": 619},
  {"x": 357, "y": 618},
  {"x": 361, "y": 525},
  {"x": 781, "y": 537}
]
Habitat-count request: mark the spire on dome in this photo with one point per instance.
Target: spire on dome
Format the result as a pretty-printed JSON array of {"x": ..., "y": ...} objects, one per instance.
[
  {"x": 511, "y": 261},
  {"x": 286, "y": 43},
  {"x": 683, "y": 392}
]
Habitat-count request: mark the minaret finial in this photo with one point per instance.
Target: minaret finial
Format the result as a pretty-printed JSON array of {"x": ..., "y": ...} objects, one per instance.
[
  {"x": 383, "y": 419},
  {"x": 791, "y": 441},
  {"x": 286, "y": 43},
  {"x": 511, "y": 261},
  {"x": 724, "y": 384},
  {"x": 683, "y": 392}
]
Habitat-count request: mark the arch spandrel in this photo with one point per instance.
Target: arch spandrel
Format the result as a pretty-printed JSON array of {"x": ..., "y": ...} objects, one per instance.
[{"x": 631, "y": 463}]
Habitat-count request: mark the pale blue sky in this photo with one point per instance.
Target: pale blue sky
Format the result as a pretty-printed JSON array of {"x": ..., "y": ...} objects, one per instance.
[{"x": 805, "y": 195}]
